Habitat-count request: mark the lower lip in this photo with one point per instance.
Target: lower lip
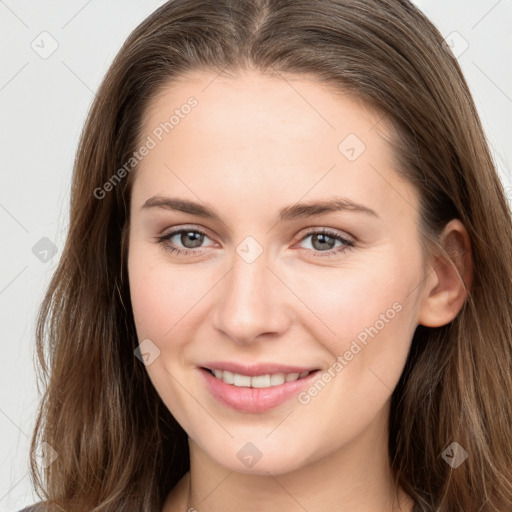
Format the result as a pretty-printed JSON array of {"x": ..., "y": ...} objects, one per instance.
[{"x": 254, "y": 400}]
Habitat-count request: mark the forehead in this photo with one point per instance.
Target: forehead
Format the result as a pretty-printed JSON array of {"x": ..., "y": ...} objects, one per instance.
[
  {"x": 256, "y": 137},
  {"x": 264, "y": 105}
]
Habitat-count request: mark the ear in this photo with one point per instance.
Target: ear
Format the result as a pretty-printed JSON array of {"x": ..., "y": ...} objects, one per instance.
[{"x": 445, "y": 293}]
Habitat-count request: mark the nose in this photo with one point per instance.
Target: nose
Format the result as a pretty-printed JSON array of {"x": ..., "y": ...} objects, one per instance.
[{"x": 251, "y": 302}]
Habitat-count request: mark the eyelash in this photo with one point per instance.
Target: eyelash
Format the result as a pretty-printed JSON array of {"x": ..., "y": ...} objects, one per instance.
[{"x": 348, "y": 244}]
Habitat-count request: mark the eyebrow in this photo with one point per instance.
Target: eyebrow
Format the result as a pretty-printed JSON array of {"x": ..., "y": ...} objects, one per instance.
[{"x": 292, "y": 212}]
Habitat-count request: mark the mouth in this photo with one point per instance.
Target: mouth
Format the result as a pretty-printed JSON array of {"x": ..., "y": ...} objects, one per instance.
[
  {"x": 257, "y": 381},
  {"x": 258, "y": 392}
]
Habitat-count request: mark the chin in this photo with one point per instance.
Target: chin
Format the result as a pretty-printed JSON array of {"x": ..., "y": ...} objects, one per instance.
[{"x": 264, "y": 456}]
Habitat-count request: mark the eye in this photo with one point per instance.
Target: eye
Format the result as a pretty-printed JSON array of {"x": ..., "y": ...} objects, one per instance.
[
  {"x": 323, "y": 242},
  {"x": 191, "y": 240}
]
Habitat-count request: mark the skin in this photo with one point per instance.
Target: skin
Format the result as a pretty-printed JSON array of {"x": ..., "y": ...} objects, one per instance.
[{"x": 253, "y": 145}]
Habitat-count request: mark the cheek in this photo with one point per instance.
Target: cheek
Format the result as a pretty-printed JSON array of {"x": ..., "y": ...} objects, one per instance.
[
  {"x": 373, "y": 315},
  {"x": 164, "y": 297},
  {"x": 345, "y": 303},
  {"x": 151, "y": 296},
  {"x": 372, "y": 312}
]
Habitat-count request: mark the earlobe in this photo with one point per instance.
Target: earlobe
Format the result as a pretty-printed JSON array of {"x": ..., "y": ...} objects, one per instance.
[{"x": 450, "y": 279}]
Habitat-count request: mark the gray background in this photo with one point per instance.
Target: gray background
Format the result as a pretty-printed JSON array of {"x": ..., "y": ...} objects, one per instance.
[{"x": 44, "y": 101}]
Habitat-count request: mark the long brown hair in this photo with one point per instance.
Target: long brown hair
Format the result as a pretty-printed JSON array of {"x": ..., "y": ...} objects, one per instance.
[{"x": 118, "y": 446}]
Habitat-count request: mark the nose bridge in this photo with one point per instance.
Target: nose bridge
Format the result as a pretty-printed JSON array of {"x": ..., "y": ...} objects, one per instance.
[{"x": 247, "y": 307}]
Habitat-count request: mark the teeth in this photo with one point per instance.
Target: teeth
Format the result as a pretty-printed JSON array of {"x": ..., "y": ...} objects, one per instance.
[
  {"x": 227, "y": 377},
  {"x": 241, "y": 380},
  {"x": 277, "y": 379},
  {"x": 258, "y": 381}
]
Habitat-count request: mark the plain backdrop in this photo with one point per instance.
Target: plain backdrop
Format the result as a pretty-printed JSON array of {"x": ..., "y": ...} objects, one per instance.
[{"x": 53, "y": 57}]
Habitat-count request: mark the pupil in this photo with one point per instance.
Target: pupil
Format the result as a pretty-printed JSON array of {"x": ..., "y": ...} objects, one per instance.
[
  {"x": 197, "y": 239},
  {"x": 325, "y": 240}
]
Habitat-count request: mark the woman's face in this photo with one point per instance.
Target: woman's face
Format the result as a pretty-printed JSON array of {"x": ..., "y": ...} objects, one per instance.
[{"x": 261, "y": 295}]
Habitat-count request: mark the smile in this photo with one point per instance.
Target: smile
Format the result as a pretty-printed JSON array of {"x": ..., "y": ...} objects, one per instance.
[
  {"x": 257, "y": 381},
  {"x": 256, "y": 393}
]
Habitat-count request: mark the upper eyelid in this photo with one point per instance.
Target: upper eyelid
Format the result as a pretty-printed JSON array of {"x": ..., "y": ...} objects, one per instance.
[{"x": 175, "y": 230}]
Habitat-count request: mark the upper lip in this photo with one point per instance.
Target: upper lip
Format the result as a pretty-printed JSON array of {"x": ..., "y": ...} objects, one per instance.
[{"x": 256, "y": 369}]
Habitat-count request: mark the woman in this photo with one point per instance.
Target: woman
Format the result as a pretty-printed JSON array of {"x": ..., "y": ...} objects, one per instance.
[{"x": 287, "y": 279}]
